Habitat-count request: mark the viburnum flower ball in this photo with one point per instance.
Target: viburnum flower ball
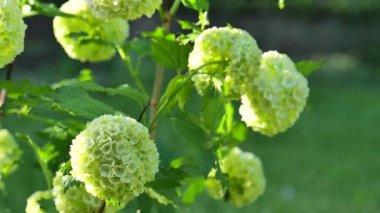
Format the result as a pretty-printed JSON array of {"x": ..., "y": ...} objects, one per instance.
[
  {"x": 12, "y": 31},
  {"x": 234, "y": 46},
  {"x": 32, "y": 203},
  {"x": 9, "y": 153},
  {"x": 87, "y": 38},
  {"x": 276, "y": 97},
  {"x": 126, "y": 9},
  {"x": 114, "y": 158},
  {"x": 75, "y": 198},
  {"x": 245, "y": 177}
]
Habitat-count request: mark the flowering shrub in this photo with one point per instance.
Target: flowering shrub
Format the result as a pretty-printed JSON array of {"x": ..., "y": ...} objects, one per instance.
[{"x": 109, "y": 150}]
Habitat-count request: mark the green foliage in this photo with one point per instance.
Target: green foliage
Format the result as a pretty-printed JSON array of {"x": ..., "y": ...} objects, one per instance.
[
  {"x": 308, "y": 67},
  {"x": 97, "y": 146},
  {"x": 196, "y": 4},
  {"x": 167, "y": 51}
]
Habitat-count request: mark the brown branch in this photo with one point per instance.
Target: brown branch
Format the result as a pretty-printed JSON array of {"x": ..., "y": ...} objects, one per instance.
[
  {"x": 156, "y": 94},
  {"x": 8, "y": 77},
  {"x": 102, "y": 207}
]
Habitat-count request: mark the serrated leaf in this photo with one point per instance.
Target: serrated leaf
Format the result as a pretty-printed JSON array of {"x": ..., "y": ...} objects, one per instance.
[
  {"x": 196, "y": 4},
  {"x": 308, "y": 67},
  {"x": 178, "y": 90},
  {"x": 167, "y": 51},
  {"x": 78, "y": 102}
]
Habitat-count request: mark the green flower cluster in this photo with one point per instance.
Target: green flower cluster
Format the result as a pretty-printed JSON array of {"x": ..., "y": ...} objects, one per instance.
[
  {"x": 12, "y": 31},
  {"x": 75, "y": 198},
  {"x": 9, "y": 153},
  {"x": 276, "y": 96},
  {"x": 245, "y": 176},
  {"x": 114, "y": 158},
  {"x": 126, "y": 9},
  {"x": 32, "y": 205},
  {"x": 85, "y": 37},
  {"x": 234, "y": 46}
]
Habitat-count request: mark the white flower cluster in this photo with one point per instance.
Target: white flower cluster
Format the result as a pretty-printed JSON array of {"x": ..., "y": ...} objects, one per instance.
[
  {"x": 12, "y": 31},
  {"x": 114, "y": 158},
  {"x": 126, "y": 9},
  {"x": 101, "y": 34},
  {"x": 234, "y": 46},
  {"x": 245, "y": 176},
  {"x": 75, "y": 198},
  {"x": 32, "y": 205},
  {"x": 276, "y": 96}
]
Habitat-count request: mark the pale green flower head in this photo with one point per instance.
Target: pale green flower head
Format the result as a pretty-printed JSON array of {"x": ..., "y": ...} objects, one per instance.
[
  {"x": 114, "y": 158},
  {"x": 214, "y": 188},
  {"x": 276, "y": 96},
  {"x": 12, "y": 31},
  {"x": 126, "y": 9},
  {"x": 245, "y": 176},
  {"x": 234, "y": 46},
  {"x": 32, "y": 203},
  {"x": 9, "y": 153},
  {"x": 75, "y": 198},
  {"x": 87, "y": 38}
]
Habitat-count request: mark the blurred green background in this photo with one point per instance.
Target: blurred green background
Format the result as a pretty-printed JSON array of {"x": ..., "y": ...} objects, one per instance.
[{"x": 328, "y": 162}]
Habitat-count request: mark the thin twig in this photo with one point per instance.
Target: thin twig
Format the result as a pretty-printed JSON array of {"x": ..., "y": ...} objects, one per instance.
[
  {"x": 169, "y": 13},
  {"x": 143, "y": 112},
  {"x": 8, "y": 77},
  {"x": 102, "y": 207}
]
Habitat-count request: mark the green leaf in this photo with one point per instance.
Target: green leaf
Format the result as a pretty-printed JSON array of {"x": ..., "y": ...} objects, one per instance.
[
  {"x": 41, "y": 157},
  {"x": 18, "y": 89},
  {"x": 197, "y": 140},
  {"x": 195, "y": 187},
  {"x": 196, "y": 4},
  {"x": 212, "y": 111},
  {"x": 122, "y": 90},
  {"x": 178, "y": 90},
  {"x": 168, "y": 177},
  {"x": 167, "y": 51},
  {"x": 77, "y": 102},
  {"x": 160, "y": 198},
  {"x": 239, "y": 132},
  {"x": 308, "y": 67}
]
